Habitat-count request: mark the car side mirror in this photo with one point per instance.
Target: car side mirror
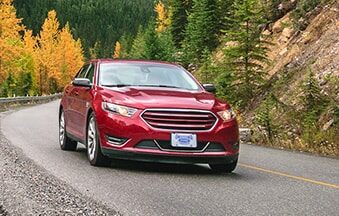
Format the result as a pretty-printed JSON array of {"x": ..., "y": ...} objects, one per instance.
[
  {"x": 82, "y": 82},
  {"x": 210, "y": 88}
]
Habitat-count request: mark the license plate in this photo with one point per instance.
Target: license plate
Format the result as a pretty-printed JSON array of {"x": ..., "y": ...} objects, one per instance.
[{"x": 184, "y": 140}]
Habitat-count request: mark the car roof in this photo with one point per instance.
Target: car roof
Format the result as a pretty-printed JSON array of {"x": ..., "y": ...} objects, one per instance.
[{"x": 131, "y": 61}]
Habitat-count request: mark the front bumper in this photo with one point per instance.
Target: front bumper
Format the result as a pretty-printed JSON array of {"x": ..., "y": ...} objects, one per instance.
[
  {"x": 224, "y": 140},
  {"x": 175, "y": 159}
]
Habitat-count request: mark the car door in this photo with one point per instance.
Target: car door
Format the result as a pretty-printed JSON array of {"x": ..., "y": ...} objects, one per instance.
[
  {"x": 83, "y": 100},
  {"x": 73, "y": 112}
]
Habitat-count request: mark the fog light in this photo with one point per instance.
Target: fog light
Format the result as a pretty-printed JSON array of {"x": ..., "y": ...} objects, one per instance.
[{"x": 115, "y": 140}]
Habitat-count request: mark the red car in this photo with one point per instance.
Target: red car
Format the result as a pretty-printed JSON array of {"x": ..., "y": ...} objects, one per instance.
[{"x": 147, "y": 111}]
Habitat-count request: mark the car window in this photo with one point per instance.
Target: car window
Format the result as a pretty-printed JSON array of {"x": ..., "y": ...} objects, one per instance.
[
  {"x": 90, "y": 73},
  {"x": 82, "y": 72},
  {"x": 120, "y": 75},
  {"x": 151, "y": 75}
]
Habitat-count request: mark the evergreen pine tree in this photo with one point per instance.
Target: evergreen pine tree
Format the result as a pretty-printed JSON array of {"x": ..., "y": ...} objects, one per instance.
[
  {"x": 246, "y": 50},
  {"x": 313, "y": 104},
  {"x": 264, "y": 116},
  {"x": 312, "y": 99},
  {"x": 225, "y": 12},
  {"x": 126, "y": 41},
  {"x": 30, "y": 59},
  {"x": 138, "y": 45},
  {"x": 96, "y": 51},
  {"x": 168, "y": 49},
  {"x": 153, "y": 51},
  {"x": 164, "y": 38},
  {"x": 116, "y": 18},
  {"x": 25, "y": 83},
  {"x": 179, "y": 9},
  {"x": 8, "y": 86},
  {"x": 202, "y": 30}
]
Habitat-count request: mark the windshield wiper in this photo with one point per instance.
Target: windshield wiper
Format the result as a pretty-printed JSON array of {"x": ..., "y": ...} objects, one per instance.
[
  {"x": 128, "y": 85},
  {"x": 160, "y": 86},
  {"x": 117, "y": 85}
]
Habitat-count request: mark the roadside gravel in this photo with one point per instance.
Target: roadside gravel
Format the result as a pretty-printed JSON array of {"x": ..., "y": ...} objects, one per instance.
[{"x": 27, "y": 189}]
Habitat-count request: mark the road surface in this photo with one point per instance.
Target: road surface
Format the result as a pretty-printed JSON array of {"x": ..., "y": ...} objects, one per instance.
[{"x": 266, "y": 182}]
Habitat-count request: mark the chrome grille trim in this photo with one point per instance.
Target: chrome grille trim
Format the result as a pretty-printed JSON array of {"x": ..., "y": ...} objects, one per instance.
[{"x": 184, "y": 111}]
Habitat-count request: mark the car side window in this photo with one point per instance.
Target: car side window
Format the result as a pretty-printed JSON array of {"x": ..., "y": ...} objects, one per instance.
[
  {"x": 77, "y": 74},
  {"x": 90, "y": 73},
  {"x": 82, "y": 72}
]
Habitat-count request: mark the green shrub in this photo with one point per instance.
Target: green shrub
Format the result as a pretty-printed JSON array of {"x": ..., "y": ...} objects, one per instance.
[
  {"x": 266, "y": 115},
  {"x": 299, "y": 14},
  {"x": 8, "y": 86}
]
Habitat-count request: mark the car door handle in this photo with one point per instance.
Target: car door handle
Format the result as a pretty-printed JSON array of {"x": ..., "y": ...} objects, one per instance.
[{"x": 76, "y": 93}]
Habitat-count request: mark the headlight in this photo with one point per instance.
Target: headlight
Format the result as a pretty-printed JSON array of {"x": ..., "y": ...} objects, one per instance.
[
  {"x": 121, "y": 110},
  {"x": 227, "y": 115}
]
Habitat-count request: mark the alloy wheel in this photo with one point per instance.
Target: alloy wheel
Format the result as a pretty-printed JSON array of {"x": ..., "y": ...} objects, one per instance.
[
  {"x": 91, "y": 139},
  {"x": 62, "y": 129}
]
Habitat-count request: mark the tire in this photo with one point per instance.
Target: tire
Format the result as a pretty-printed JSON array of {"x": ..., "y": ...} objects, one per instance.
[
  {"x": 224, "y": 168},
  {"x": 94, "y": 154},
  {"x": 66, "y": 143}
]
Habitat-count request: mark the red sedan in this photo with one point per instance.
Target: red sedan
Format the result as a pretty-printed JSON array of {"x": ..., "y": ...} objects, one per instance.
[{"x": 147, "y": 111}]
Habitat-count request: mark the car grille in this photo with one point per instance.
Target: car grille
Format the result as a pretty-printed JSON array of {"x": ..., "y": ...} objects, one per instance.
[
  {"x": 180, "y": 120},
  {"x": 165, "y": 145}
]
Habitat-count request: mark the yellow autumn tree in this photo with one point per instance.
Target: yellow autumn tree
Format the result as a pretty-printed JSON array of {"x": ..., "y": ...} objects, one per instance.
[
  {"x": 70, "y": 56},
  {"x": 10, "y": 40},
  {"x": 163, "y": 18},
  {"x": 47, "y": 54},
  {"x": 29, "y": 61},
  {"x": 117, "y": 50},
  {"x": 29, "y": 41},
  {"x": 60, "y": 55},
  {"x": 42, "y": 64}
]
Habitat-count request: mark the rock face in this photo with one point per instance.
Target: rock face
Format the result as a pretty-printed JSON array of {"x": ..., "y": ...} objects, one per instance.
[
  {"x": 328, "y": 125},
  {"x": 245, "y": 135},
  {"x": 317, "y": 46},
  {"x": 286, "y": 35},
  {"x": 277, "y": 27},
  {"x": 292, "y": 55}
]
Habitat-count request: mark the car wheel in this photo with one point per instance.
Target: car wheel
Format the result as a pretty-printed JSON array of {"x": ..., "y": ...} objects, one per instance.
[
  {"x": 224, "y": 168},
  {"x": 94, "y": 154},
  {"x": 66, "y": 143}
]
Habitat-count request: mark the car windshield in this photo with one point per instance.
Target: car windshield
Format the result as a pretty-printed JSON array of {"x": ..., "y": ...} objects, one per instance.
[{"x": 145, "y": 75}]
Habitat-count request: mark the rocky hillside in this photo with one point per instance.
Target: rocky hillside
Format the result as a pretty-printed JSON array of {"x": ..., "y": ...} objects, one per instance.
[
  {"x": 316, "y": 47},
  {"x": 297, "y": 57}
]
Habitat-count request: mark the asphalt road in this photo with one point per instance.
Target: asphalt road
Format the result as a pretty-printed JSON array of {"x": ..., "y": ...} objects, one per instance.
[{"x": 267, "y": 181}]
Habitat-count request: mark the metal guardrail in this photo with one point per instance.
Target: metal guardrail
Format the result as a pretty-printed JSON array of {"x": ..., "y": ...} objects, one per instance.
[{"x": 4, "y": 102}]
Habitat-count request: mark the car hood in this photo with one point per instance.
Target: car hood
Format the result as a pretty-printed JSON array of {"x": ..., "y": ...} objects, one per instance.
[{"x": 143, "y": 98}]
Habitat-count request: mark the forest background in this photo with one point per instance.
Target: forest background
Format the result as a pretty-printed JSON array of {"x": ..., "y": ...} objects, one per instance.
[{"x": 226, "y": 42}]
